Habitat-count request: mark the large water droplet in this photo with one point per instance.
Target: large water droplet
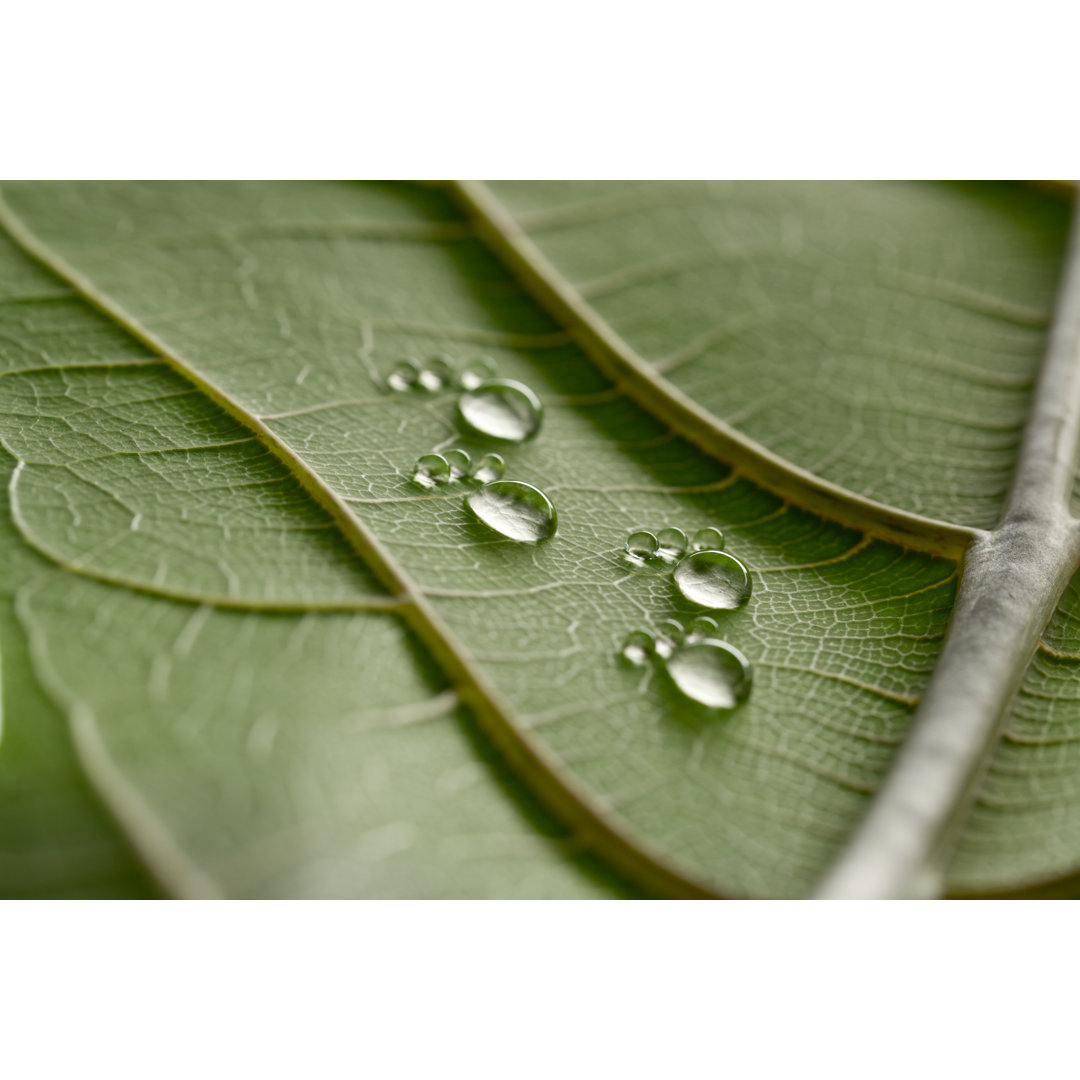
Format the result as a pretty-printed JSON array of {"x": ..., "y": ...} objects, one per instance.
[
  {"x": 490, "y": 467},
  {"x": 515, "y": 510},
  {"x": 460, "y": 463},
  {"x": 475, "y": 372},
  {"x": 404, "y": 376},
  {"x": 672, "y": 544},
  {"x": 431, "y": 469},
  {"x": 501, "y": 409},
  {"x": 708, "y": 539},
  {"x": 713, "y": 579},
  {"x": 437, "y": 373},
  {"x": 712, "y": 673},
  {"x": 638, "y": 647}
]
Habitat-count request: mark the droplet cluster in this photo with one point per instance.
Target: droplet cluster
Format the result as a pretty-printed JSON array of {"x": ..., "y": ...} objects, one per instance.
[
  {"x": 440, "y": 372},
  {"x": 433, "y": 470},
  {"x": 699, "y": 663}
]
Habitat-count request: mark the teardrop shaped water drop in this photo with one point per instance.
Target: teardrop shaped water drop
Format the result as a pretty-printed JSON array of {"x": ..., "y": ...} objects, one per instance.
[
  {"x": 708, "y": 539},
  {"x": 460, "y": 463},
  {"x": 437, "y": 373},
  {"x": 515, "y": 510},
  {"x": 501, "y": 409},
  {"x": 641, "y": 545},
  {"x": 713, "y": 579},
  {"x": 712, "y": 673},
  {"x": 489, "y": 468},
  {"x": 702, "y": 627},
  {"x": 475, "y": 372},
  {"x": 638, "y": 647},
  {"x": 404, "y": 376},
  {"x": 431, "y": 469}
]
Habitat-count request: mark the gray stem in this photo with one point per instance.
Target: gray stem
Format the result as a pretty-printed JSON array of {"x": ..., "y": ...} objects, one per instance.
[{"x": 1012, "y": 579}]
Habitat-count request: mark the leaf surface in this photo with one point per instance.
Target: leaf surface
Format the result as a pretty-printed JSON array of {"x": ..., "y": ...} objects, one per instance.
[{"x": 273, "y": 650}]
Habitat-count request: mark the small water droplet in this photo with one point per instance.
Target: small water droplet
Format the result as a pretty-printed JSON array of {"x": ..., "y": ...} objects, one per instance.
[
  {"x": 460, "y": 463},
  {"x": 404, "y": 376},
  {"x": 702, "y": 627},
  {"x": 713, "y": 579},
  {"x": 638, "y": 647},
  {"x": 712, "y": 673},
  {"x": 669, "y": 636},
  {"x": 641, "y": 545},
  {"x": 490, "y": 467},
  {"x": 475, "y": 372},
  {"x": 515, "y": 510},
  {"x": 672, "y": 544},
  {"x": 437, "y": 373},
  {"x": 708, "y": 539},
  {"x": 501, "y": 409},
  {"x": 431, "y": 469}
]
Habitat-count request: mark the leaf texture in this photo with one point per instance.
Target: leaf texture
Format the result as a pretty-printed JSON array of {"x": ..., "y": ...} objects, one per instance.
[{"x": 284, "y": 667}]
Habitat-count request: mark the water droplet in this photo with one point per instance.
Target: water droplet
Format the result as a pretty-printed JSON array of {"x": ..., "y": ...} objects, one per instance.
[
  {"x": 713, "y": 579},
  {"x": 514, "y": 509},
  {"x": 638, "y": 647},
  {"x": 490, "y": 467},
  {"x": 672, "y": 544},
  {"x": 475, "y": 372},
  {"x": 641, "y": 545},
  {"x": 501, "y": 409},
  {"x": 712, "y": 673},
  {"x": 669, "y": 636},
  {"x": 437, "y": 373},
  {"x": 460, "y": 463},
  {"x": 431, "y": 469},
  {"x": 708, "y": 539},
  {"x": 404, "y": 376},
  {"x": 703, "y": 627}
]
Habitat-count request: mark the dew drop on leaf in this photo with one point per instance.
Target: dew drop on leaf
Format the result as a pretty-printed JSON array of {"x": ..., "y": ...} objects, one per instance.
[
  {"x": 437, "y": 373},
  {"x": 501, "y": 409},
  {"x": 708, "y": 539},
  {"x": 669, "y": 635},
  {"x": 431, "y": 469},
  {"x": 515, "y": 510},
  {"x": 641, "y": 545},
  {"x": 702, "y": 627},
  {"x": 638, "y": 647},
  {"x": 460, "y": 463},
  {"x": 672, "y": 544},
  {"x": 475, "y": 372},
  {"x": 490, "y": 467},
  {"x": 404, "y": 376},
  {"x": 713, "y": 579},
  {"x": 712, "y": 673}
]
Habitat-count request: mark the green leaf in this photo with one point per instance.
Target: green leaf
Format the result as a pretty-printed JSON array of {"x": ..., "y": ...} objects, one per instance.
[{"x": 286, "y": 670}]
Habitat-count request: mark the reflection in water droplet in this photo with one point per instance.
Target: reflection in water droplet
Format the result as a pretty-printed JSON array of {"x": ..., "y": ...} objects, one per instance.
[
  {"x": 437, "y": 373},
  {"x": 475, "y": 372},
  {"x": 669, "y": 636},
  {"x": 501, "y": 409},
  {"x": 431, "y": 469},
  {"x": 460, "y": 463},
  {"x": 514, "y": 509},
  {"x": 713, "y": 579},
  {"x": 708, "y": 539},
  {"x": 404, "y": 375},
  {"x": 638, "y": 647},
  {"x": 490, "y": 467},
  {"x": 712, "y": 673},
  {"x": 702, "y": 627},
  {"x": 641, "y": 545},
  {"x": 672, "y": 543}
]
